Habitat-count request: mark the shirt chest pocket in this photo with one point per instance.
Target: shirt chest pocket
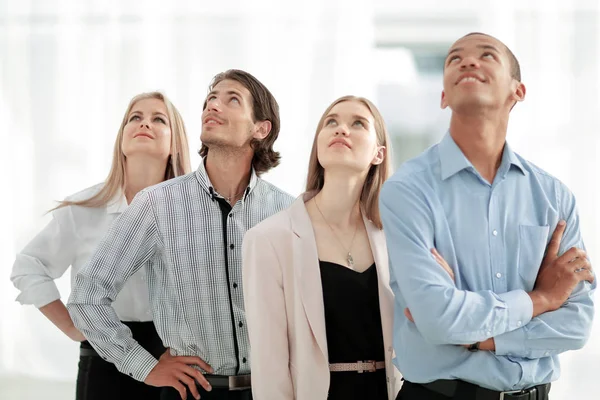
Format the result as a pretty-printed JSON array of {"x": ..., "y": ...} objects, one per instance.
[{"x": 532, "y": 245}]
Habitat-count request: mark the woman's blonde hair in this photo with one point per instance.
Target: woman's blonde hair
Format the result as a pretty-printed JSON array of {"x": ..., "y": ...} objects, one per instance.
[
  {"x": 369, "y": 198},
  {"x": 177, "y": 164}
]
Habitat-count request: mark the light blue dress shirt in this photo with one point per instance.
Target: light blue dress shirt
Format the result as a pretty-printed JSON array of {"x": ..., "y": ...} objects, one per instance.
[{"x": 494, "y": 238}]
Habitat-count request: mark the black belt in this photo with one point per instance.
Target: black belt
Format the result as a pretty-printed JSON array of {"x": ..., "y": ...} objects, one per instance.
[
  {"x": 236, "y": 382},
  {"x": 461, "y": 389},
  {"x": 88, "y": 352}
]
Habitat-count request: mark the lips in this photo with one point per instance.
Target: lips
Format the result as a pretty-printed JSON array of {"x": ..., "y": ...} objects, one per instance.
[
  {"x": 212, "y": 120},
  {"x": 143, "y": 134},
  {"x": 469, "y": 78},
  {"x": 340, "y": 141}
]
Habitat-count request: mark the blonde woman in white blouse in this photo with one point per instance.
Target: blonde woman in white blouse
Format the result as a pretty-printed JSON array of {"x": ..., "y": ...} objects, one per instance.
[{"x": 151, "y": 146}]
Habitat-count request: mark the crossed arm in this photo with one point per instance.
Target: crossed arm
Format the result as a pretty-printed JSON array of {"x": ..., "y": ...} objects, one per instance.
[{"x": 530, "y": 325}]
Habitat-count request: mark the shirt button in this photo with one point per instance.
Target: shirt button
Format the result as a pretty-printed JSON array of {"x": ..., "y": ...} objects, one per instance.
[
  {"x": 130, "y": 374},
  {"x": 489, "y": 333},
  {"x": 241, "y": 324},
  {"x": 231, "y": 215},
  {"x": 498, "y": 275},
  {"x": 244, "y": 360},
  {"x": 495, "y": 232},
  {"x": 231, "y": 246},
  {"x": 518, "y": 323},
  {"x": 234, "y": 285}
]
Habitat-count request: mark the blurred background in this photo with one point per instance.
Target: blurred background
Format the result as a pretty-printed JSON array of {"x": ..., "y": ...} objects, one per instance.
[{"x": 69, "y": 67}]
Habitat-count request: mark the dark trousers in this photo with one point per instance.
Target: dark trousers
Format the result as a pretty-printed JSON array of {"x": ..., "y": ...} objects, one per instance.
[
  {"x": 101, "y": 380},
  {"x": 215, "y": 394},
  {"x": 413, "y": 391}
]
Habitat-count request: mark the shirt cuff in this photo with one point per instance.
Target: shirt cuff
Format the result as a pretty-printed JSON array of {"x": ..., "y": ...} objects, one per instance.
[
  {"x": 138, "y": 363},
  {"x": 39, "y": 295},
  {"x": 511, "y": 343},
  {"x": 519, "y": 307}
]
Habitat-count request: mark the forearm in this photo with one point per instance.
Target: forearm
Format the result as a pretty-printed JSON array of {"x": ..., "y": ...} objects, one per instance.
[
  {"x": 551, "y": 333},
  {"x": 57, "y": 313},
  {"x": 112, "y": 339}
]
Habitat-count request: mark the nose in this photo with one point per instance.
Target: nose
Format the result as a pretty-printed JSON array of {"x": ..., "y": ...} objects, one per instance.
[
  {"x": 144, "y": 123},
  {"x": 213, "y": 105},
  {"x": 469, "y": 62},
  {"x": 342, "y": 130}
]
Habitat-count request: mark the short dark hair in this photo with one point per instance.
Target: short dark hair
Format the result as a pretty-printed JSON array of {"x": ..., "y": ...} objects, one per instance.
[
  {"x": 515, "y": 67},
  {"x": 264, "y": 108}
]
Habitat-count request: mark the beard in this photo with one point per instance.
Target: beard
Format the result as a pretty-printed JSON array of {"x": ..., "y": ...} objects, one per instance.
[{"x": 227, "y": 143}]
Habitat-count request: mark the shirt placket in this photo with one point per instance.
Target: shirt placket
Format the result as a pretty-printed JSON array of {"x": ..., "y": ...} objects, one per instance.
[
  {"x": 496, "y": 240},
  {"x": 234, "y": 224}
]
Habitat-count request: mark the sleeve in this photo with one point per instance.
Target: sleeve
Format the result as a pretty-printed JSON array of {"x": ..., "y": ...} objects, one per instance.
[
  {"x": 129, "y": 244},
  {"x": 567, "y": 328},
  {"x": 443, "y": 314},
  {"x": 45, "y": 259},
  {"x": 267, "y": 319}
]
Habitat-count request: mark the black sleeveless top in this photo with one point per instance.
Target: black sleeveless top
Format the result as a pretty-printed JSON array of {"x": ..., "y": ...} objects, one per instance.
[{"x": 354, "y": 333}]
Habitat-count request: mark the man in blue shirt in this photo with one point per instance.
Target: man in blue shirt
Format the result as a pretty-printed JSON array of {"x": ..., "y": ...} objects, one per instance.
[{"x": 493, "y": 330}]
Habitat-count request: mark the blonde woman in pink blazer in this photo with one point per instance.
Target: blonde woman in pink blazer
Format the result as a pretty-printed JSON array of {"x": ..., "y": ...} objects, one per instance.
[{"x": 315, "y": 276}]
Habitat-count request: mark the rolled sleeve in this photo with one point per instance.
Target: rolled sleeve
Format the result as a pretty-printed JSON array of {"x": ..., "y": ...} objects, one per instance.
[
  {"x": 40, "y": 294},
  {"x": 45, "y": 258}
]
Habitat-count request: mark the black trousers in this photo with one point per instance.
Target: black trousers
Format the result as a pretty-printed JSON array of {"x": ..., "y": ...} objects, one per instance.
[
  {"x": 101, "y": 380},
  {"x": 413, "y": 391},
  {"x": 215, "y": 394}
]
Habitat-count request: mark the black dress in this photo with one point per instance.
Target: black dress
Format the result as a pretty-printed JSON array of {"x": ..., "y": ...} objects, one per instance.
[{"x": 353, "y": 325}]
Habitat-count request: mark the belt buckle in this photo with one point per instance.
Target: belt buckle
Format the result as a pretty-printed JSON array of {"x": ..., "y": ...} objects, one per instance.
[
  {"x": 531, "y": 391},
  {"x": 239, "y": 382},
  {"x": 368, "y": 366}
]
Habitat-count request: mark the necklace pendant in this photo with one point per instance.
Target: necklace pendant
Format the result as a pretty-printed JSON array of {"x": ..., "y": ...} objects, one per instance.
[{"x": 350, "y": 260}]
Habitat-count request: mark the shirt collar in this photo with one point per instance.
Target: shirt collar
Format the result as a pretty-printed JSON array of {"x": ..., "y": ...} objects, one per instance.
[
  {"x": 510, "y": 158},
  {"x": 118, "y": 204},
  {"x": 206, "y": 184},
  {"x": 453, "y": 160}
]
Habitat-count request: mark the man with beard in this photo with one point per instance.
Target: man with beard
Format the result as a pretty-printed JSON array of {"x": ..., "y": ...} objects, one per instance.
[{"x": 187, "y": 233}]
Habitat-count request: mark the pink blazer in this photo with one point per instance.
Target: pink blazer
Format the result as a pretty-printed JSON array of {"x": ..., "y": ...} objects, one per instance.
[{"x": 284, "y": 307}]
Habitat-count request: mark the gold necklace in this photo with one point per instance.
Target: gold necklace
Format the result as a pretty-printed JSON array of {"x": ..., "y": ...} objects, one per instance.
[{"x": 349, "y": 257}]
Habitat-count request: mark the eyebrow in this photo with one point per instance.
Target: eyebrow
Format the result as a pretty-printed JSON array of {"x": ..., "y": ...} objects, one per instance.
[
  {"x": 479, "y": 46},
  {"x": 355, "y": 116},
  {"x": 230, "y": 92},
  {"x": 154, "y": 113}
]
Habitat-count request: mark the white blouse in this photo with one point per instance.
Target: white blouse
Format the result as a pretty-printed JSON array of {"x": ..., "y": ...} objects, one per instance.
[{"x": 70, "y": 239}]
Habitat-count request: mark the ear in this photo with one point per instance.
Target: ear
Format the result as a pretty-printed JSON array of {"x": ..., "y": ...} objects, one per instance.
[
  {"x": 263, "y": 128},
  {"x": 443, "y": 103},
  {"x": 519, "y": 92},
  {"x": 379, "y": 155}
]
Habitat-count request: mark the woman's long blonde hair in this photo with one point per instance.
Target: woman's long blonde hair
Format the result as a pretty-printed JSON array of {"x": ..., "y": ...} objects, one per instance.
[
  {"x": 369, "y": 198},
  {"x": 177, "y": 164}
]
